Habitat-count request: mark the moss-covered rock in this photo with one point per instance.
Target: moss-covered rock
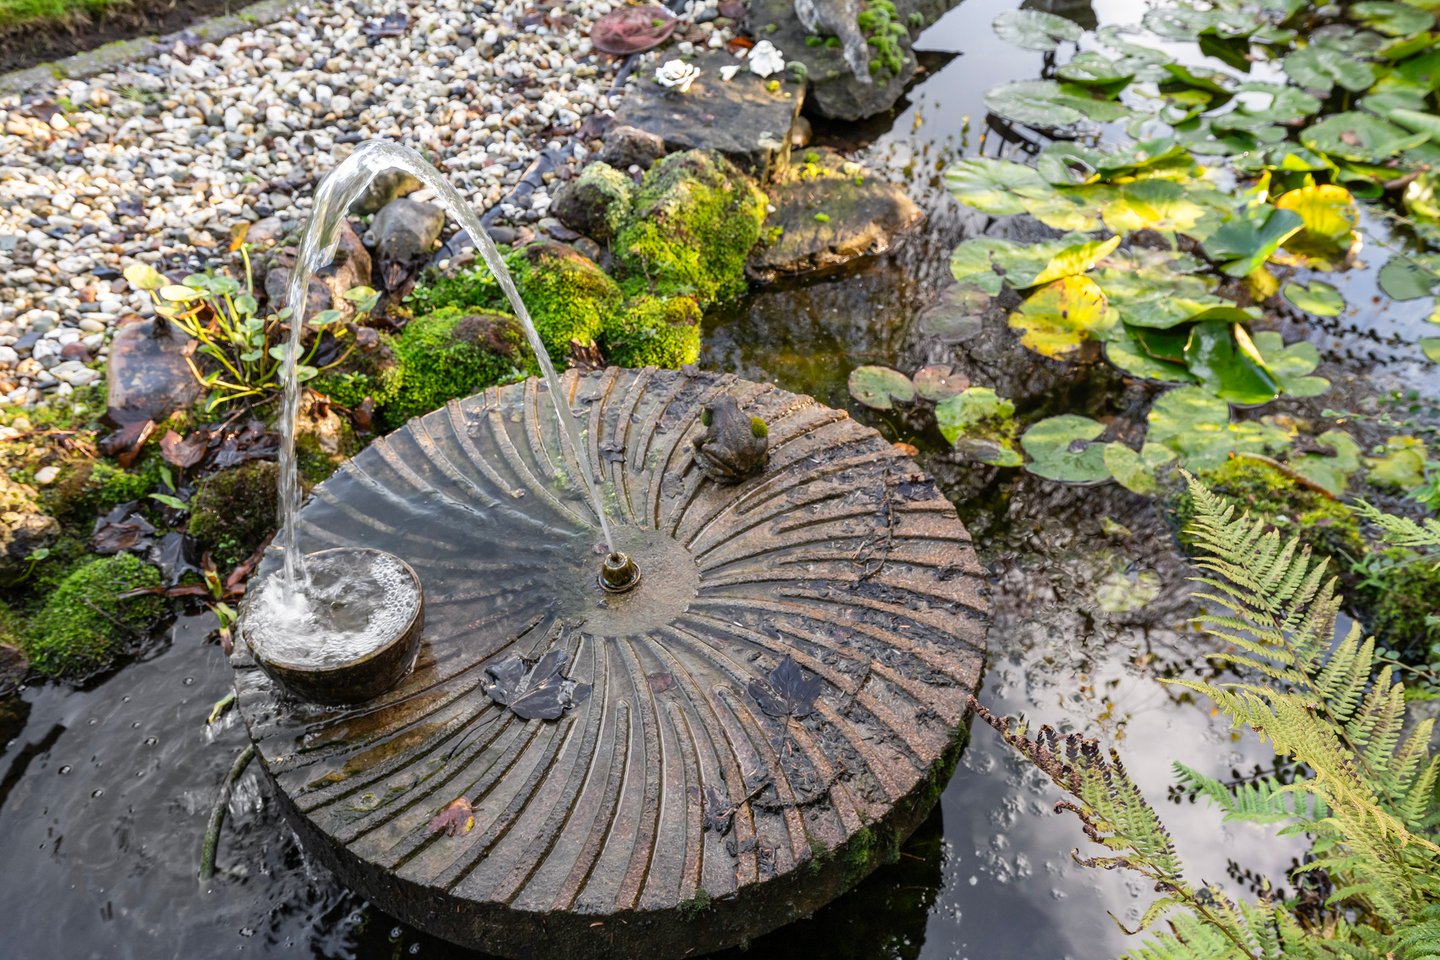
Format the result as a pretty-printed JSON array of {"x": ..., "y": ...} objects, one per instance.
[
  {"x": 1400, "y": 593},
  {"x": 447, "y": 354},
  {"x": 1322, "y": 522},
  {"x": 663, "y": 331},
  {"x": 87, "y": 622},
  {"x": 234, "y": 510},
  {"x": 87, "y": 488},
  {"x": 691, "y": 226},
  {"x": 596, "y": 203}
]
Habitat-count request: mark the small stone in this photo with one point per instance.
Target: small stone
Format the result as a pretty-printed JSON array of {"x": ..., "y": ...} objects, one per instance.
[
  {"x": 46, "y": 475},
  {"x": 74, "y": 373}
]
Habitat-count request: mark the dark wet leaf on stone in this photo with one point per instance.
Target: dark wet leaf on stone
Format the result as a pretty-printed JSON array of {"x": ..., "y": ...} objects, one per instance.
[
  {"x": 633, "y": 30},
  {"x": 787, "y": 691},
  {"x": 538, "y": 692},
  {"x": 184, "y": 452},
  {"x": 718, "y": 813},
  {"x": 176, "y": 555},
  {"x": 458, "y": 817},
  {"x": 125, "y": 443},
  {"x": 121, "y": 529},
  {"x": 660, "y": 681}
]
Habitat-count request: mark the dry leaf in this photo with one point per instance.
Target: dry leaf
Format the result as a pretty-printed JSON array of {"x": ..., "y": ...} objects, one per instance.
[{"x": 455, "y": 819}]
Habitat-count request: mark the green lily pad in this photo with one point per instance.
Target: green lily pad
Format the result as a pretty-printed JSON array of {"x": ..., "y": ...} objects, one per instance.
[
  {"x": 1430, "y": 346},
  {"x": 1036, "y": 29},
  {"x": 1292, "y": 365},
  {"x": 1409, "y": 278},
  {"x": 1047, "y": 105},
  {"x": 880, "y": 388},
  {"x": 1358, "y": 136},
  {"x": 1331, "y": 471},
  {"x": 1321, "y": 68},
  {"x": 1151, "y": 354},
  {"x": 1077, "y": 259},
  {"x": 1063, "y": 448},
  {"x": 1392, "y": 19},
  {"x": 1285, "y": 104},
  {"x": 1196, "y": 425},
  {"x": 1057, "y": 318},
  {"x": 938, "y": 382},
  {"x": 1212, "y": 82},
  {"x": 1221, "y": 355},
  {"x": 1136, "y": 471},
  {"x": 1152, "y": 205},
  {"x": 1245, "y": 242},
  {"x": 1401, "y": 466},
  {"x": 993, "y": 186},
  {"x": 980, "y": 424},
  {"x": 1319, "y": 299},
  {"x": 1092, "y": 69},
  {"x": 1419, "y": 121},
  {"x": 1114, "y": 38}
]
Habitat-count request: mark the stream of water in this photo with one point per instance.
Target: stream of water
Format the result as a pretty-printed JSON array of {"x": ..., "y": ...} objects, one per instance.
[{"x": 318, "y": 242}]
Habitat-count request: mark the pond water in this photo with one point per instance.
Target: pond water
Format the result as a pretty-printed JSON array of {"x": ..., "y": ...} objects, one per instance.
[{"x": 104, "y": 791}]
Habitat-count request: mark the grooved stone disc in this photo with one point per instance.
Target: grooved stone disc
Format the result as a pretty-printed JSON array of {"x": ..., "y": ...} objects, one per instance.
[{"x": 705, "y": 791}]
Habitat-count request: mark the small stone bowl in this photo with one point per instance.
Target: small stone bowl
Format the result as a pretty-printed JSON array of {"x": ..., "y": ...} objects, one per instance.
[{"x": 352, "y": 681}]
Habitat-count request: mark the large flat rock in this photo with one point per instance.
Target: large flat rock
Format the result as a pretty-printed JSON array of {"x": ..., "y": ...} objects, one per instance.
[{"x": 741, "y": 118}]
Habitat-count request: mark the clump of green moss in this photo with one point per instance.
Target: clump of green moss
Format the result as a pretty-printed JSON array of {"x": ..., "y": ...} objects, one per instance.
[
  {"x": 1401, "y": 593},
  {"x": 691, "y": 226},
  {"x": 448, "y": 354},
  {"x": 658, "y": 331},
  {"x": 1274, "y": 496},
  {"x": 880, "y": 23},
  {"x": 596, "y": 203},
  {"x": 697, "y": 906},
  {"x": 91, "y": 487},
  {"x": 234, "y": 510},
  {"x": 86, "y": 622}
]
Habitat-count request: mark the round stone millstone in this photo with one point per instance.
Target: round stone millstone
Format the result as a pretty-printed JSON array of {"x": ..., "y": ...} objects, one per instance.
[{"x": 724, "y": 748}]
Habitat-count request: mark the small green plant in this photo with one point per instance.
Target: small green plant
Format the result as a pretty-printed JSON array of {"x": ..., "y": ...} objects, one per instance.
[
  {"x": 240, "y": 350},
  {"x": 1365, "y": 794}
]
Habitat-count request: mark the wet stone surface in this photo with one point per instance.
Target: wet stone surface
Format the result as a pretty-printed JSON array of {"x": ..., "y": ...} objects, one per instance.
[{"x": 749, "y": 731}]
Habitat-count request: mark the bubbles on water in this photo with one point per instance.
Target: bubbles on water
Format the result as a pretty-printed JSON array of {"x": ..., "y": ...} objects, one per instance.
[{"x": 352, "y": 603}]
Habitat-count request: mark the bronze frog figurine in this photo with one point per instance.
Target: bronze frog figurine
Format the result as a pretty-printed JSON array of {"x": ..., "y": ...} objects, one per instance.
[{"x": 734, "y": 445}]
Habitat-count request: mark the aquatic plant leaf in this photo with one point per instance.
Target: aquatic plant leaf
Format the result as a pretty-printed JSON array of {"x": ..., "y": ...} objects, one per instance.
[
  {"x": 1035, "y": 29},
  {"x": 1046, "y": 104},
  {"x": 1333, "y": 469},
  {"x": 1152, "y": 205},
  {"x": 1092, "y": 69},
  {"x": 1076, "y": 259},
  {"x": 1114, "y": 38},
  {"x": 1247, "y": 241},
  {"x": 1154, "y": 288},
  {"x": 1392, "y": 19},
  {"x": 1417, "y": 120},
  {"x": 880, "y": 388},
  {"x": 633, "y": 29},
  {"x": 1196, "y": 425},
  {"x": 1136, "y": 471},
  {"x": 1068, "y": 163},
  {"x": 1319, "y": 298},
  {"x": 787, "y": 690},
  {"x": 956, "y": 316},
  {"x": 1409, "y": 278},
  {"x": 1212, "y": 82},
  {"x": 1361, "y": 137},
  {"x": 1401, "y": 466},
  {"x": 938, "y": 382},
  {"x": 989, "y": 263},
  {"x": 455, "y": 818},
  {"x": 1125, "y": 592},
  {"x": 1151, "y": 354},
  {"x": 1286, "y": 104},
  {"x": 1063, "y": 448},
  {"x": 1292, "y": 365},
  {"x": 980, "y": 424},
  {"x": 535, "y": 691},
  {"x": 1058, "y": 317},
  {"x": 1221, "y": 355},
  {"x": 1330, "y": 217},
  {"x": 1321, "y": 68},
  {"x": 142, "y": 276},
  {"x": 993, "y": 186},
  {"x": 1430, "y": 346}
]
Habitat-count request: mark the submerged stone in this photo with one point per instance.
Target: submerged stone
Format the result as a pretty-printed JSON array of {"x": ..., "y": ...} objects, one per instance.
[
  {"x": 741, "y": 118},
  {"x": 829, "y": 212}
]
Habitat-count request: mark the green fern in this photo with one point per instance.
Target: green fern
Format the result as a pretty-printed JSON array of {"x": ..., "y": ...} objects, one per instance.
[
  {"x": 1367, "y": 794},
  {"x": 1402, "y": 531}
]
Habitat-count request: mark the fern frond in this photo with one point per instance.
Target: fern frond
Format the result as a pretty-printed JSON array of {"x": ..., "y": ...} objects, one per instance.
[
  {"x": 1262, "y": 800},
  {"x": 1402, "y": 531}
]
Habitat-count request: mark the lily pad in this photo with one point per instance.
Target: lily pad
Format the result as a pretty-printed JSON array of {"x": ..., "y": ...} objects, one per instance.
[
  {"x": 1245, "y": 242},
  {"x": 1064, "y": 448},
  {"x": 1077, "y": 259},
  {"x": 1056, "y": 319},
  {"x": 1401, "y": 464},
  {"x": 1319, "y": 298},
  {"x": 1036, "y": 29},
  {"x": 938, "y": 382},
  {"x": 1136, "y": 471},
  {"x": 980, "y": 424},
  {"x": 880, "y": 388},
  {"x": 1330, "y": 470},
  {"x": 1133, "y": 352},
  {"x": 1152, "y": 205},
  {"x": 1047, "y": 105},
  {"x": 1409, "y": 278},
  {"x": 1275, "y": 102},
  {"x": 1330, "y": 218},
  {"x": 1093, "y": 69},
  {"x": 1221, "y": 355},
  {"x": 1392, "y": 19},
  {"x": 1196, "y": 425},
  {"x": 1291, "y": 365},
  {"x": 994, "y": 186},
  {"x": 1321, "y": 68},
  {"x": 1358, "y": 136}
]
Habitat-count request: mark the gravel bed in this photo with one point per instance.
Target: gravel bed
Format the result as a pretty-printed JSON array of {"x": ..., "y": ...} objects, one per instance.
[{"x": 159, "y": 161}]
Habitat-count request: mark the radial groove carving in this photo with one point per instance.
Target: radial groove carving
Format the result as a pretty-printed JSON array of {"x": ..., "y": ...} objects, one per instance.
[{"x": 669, "y": 788}]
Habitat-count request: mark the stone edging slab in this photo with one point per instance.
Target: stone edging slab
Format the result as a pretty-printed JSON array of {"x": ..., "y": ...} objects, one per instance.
[{"x": 116, "y": 54}]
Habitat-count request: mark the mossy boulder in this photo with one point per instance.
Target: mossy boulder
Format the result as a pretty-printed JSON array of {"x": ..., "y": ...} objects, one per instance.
[
  {"x": 88, "y": 621},
  {"x": 658, "y": 331},
  {"x": 1271, "y": 494},
  {"x": 234, "y": 510},
  {"x": 448, "y": 354},
  {"x": 596, "y": 203},
  {"x": 87, "y": 488},
  {"x": 691, "y": 226}
]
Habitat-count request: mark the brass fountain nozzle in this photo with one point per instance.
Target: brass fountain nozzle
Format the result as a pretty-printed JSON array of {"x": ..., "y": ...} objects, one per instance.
[{"x": 618, "y": 573}]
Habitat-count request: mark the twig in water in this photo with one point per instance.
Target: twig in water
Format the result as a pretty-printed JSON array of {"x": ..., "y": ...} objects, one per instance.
[{"x": 217, "y": 813}]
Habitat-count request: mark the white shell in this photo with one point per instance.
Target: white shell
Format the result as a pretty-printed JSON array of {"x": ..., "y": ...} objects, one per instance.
[
  {"x": 676, "y": 74},
  {"x": 727, "y": 73},
  {"x": 765, "y": 59}
]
